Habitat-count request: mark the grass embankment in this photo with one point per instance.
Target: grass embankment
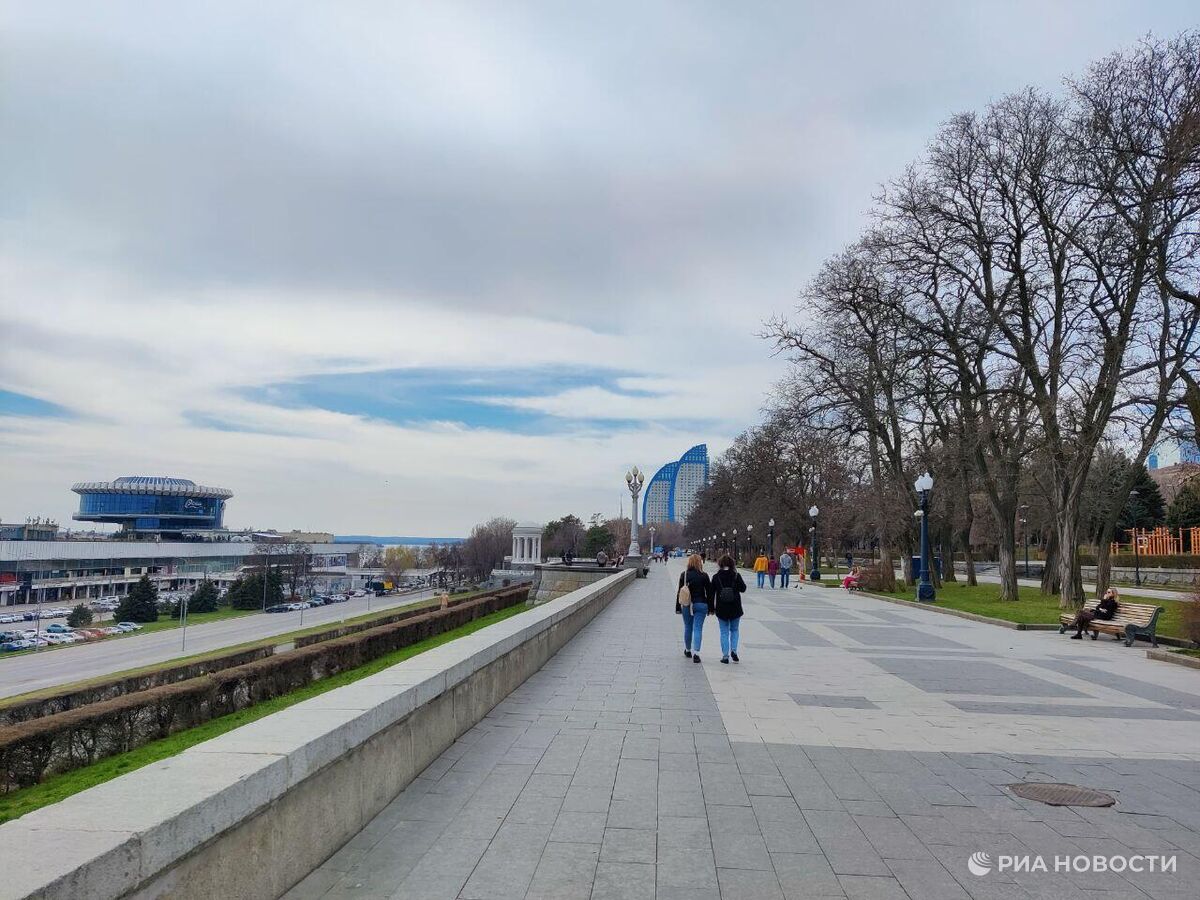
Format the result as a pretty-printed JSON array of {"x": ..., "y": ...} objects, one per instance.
[
  {"x": 18, "y": 803},
  {"x": 1033, "y": 607},
  {"x": 166, "y": 623}
]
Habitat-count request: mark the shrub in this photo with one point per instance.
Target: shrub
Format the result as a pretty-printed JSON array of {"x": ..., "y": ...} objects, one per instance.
[
  {"x": 25, "y": 710},
  {"x": 79, "y": 616}
]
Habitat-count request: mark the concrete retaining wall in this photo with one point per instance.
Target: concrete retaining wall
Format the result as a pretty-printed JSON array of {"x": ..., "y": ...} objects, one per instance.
[
  {"x": 551, "y": 582},
  {"x": 250, "y": 813}
]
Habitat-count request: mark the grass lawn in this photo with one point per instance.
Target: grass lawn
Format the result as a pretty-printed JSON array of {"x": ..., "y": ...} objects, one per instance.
[
  {"x": 1034, "y": 607},
  {"x": 17, "y": 803},
  {"x": 165, "y": 623}
]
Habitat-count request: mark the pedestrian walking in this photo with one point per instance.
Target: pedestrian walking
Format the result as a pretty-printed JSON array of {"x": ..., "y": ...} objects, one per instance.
[
  {"x": 772, "y": 569},
  {"x": 727, "y": 590},
  {"x": 785, "y": 569},
  {"x": 760, "y": 569},
  {"x": 692, "y": 602}
]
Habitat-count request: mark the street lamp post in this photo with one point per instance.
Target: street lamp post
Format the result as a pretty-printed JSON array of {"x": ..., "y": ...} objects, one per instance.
[
  {"x": 815, "y": 573},
  {"x": 771, "y": 537},
  {"x": 634, "y": 481},
  {"x": 750, "y": 539},
  {"x": 925, "y": 592},
  {"x": 735, "y": 549},
  {"x": 724, "y": 543},
  {"x": 651, "y": 540},
  {"x": 1025, "y": 536},
  {"x": 1137, "y": 568}
]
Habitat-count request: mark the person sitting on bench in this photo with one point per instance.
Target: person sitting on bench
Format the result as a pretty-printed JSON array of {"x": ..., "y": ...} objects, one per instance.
[
  {"x": 852, "y": 578},
  {"x": 1105, "y": 610}
]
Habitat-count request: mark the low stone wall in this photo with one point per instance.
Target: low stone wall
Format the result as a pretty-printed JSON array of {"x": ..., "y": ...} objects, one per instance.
[
  {"x": 250, "y": 813},
  {"x": 552, "y": 582}
]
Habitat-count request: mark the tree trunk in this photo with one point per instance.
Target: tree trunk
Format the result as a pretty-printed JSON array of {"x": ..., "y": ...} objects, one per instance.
[
  {"x": 1103, "y": 563},
  {"x": 948, "y": 555},
  {"x": 887, "y": 568},
  {"x": 1070, "y": 595},
  {"x": 969, "y": 557},
  {"x": 1050, "y": 580}
]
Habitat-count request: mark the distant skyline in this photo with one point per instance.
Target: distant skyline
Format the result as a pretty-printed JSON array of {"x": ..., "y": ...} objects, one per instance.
[{"x": 399, "y": 268}]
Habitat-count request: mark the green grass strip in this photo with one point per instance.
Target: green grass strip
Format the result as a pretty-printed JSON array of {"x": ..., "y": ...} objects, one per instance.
[
  {"x": 15, "y": 804},
  {"x": 1034, "y": 607}
]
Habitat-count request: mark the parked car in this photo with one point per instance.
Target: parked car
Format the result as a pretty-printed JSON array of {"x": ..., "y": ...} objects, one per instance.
[
  {"x": 279, "y": 607},
  {"x": 113, "y": 629},
  {"x": 57, "y": 628},
  {"x": 11, "y": 646},
  {"x": 338, "y": 598},
  {"x": 129, "y": 626}
]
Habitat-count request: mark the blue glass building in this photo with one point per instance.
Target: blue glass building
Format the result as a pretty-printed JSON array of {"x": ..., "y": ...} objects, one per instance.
[
  {"x": 671, "y": 493},
  {"x": 152, "y": 505}
]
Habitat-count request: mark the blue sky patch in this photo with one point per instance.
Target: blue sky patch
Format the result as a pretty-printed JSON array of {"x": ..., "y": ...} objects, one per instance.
[
  {"x": 415, "y": 396},
  {"x": 13, "y": 404}
]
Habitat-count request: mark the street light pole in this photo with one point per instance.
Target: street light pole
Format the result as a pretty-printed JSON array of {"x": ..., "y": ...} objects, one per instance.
[
  {"x": 815, "y": 573},
  {"x": 1137, "y": 569},
  {"x": 771, "y": 537},
  {"x": 735, "y": 549},
  {"x": 634, "y": 481},
  {"x": 925, "y": 592},
  {"x": 750, "y": 539}
]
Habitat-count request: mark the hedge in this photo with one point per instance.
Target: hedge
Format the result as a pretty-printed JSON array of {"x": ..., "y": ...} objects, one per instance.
[
  {"x": 1145, "y": 561},
  {"x": 32, "y": 750},
  {"x": 25, "y": 710},
  {"x": 398, "y": 616}
]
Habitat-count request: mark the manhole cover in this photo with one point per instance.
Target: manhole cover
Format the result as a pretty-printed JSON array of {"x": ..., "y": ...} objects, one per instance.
[{"x": 1061, "y": 794}]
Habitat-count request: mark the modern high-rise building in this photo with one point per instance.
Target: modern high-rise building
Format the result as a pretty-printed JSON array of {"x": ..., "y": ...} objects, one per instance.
[{"x": 671, "y": 494}]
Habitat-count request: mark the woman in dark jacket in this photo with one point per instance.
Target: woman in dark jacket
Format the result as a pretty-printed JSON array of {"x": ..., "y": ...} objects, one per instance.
[
  {"x": 1105, "y": 610},
  {"x": 727, "y": 590},
  {"x": 700, "y": 587}
]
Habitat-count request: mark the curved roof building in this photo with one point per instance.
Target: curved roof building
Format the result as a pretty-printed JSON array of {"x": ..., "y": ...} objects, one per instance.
[
  {"x": 152, "y": 504},
  {"x": 671, "y": 493}
]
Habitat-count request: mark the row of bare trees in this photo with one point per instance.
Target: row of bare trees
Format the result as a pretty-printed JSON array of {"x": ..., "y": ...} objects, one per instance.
[{"x": 1024, "y": 301}]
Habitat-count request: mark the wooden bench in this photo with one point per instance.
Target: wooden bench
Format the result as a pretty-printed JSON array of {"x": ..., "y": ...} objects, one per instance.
[{"x": 1131, "y": 621}]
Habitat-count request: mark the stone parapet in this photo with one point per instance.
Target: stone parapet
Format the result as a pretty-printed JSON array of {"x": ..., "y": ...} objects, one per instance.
[{"x": 250, "y": 813}]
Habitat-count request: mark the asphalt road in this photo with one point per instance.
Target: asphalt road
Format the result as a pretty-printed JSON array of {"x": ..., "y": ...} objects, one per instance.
[{"x": 33, "y": 671}]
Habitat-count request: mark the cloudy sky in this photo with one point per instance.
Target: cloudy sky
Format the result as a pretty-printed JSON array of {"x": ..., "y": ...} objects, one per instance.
[{"x": 398, "y": 267}]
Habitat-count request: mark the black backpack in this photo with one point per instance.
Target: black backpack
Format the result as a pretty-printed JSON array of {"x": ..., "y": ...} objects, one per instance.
[{"x": 729, "y": 600}]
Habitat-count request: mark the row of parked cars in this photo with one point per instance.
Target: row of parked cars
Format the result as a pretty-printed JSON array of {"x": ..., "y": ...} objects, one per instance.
[
  {"x": 47, "y": 612},
  {"x": 319, "y": 600},
  {"x": 55, "y": 634}
]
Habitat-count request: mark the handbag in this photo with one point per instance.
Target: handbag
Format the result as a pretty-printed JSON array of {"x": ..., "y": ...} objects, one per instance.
[{"x": 684, "y": 597}]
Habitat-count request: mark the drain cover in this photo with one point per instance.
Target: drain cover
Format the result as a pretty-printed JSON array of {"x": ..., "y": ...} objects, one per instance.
[{"x": 1061, "y": 794}]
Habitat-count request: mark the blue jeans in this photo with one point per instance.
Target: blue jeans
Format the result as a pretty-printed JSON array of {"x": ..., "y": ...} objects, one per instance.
[
  {"x": 693, "y": 625},
  {"x": 784, "y": 575},
  {"x": 729, "y": 634},
  {"x": 772, "y": 577},
  {"x": 762, "y": 577}
]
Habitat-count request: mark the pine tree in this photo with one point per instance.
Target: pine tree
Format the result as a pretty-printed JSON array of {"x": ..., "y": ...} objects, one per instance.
[
  {"x": 140, "y": 604},
  {"x": 204, "y": 598},
  {"x": 1145, "y": 507},
  {"x": 247, "y": 591},
  {"x": 79, "y": 616},
  {"x": 1185, "y": 508}
]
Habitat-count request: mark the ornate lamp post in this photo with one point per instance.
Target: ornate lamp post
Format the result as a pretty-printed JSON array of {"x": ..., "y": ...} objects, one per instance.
[
  {"x": 771, "y": 537},
  {"x": 724, "y": 543},
  {"x": 651, "y": 540},
  {"x": 815, "y": 573},
  {"x": 634, "y": 481},
  {"x": 735, "y": 554},
  {"x": 750, "y": 539},
  {"x": 925, "y": 592}
]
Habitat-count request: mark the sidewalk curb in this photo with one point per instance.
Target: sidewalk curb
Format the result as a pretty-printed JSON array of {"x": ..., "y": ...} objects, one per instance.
[{"x": 1191, "y": 662}]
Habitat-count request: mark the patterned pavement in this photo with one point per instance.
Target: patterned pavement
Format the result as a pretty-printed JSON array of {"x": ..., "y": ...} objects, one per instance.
[{"x": 859, "y": 750}]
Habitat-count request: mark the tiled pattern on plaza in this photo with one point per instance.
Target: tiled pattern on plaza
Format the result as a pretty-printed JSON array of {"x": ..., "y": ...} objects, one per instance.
[{"x": 859, "y": 750}]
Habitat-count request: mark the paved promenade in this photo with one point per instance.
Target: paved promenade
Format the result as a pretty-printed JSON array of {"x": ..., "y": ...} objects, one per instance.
[{"x": 859, "y": 750}]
